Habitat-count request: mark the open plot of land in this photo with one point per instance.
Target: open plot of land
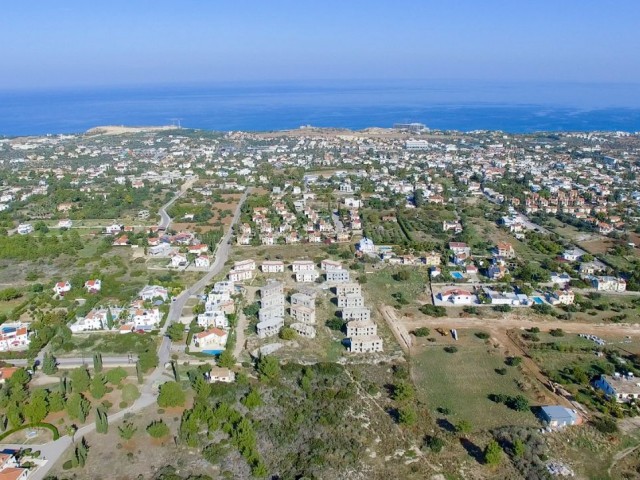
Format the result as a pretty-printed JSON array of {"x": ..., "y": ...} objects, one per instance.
[
  {"x": 462, "y": 382},
  {"x": 105, "y": 343}
]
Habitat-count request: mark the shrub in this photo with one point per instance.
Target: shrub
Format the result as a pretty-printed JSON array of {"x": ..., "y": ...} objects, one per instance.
[
  {"x": 433, "y": 311},
  {"x": 171, "y": 395},
  {"x": 422, "y": 332},
  {"x": 493, "y": 453},
  {"x": 556, "y": 332},
  {"x": 435, "y": 444},
  {"x": 482, "y": 335},
  {"x": 502, "y": 308},
  {"x": 407, "y": 416},
  {"x": 158, "y": 429},
  {"x": 605, "y": 425},
  {"x": 513, "y": 361},
  {"x": 287, "y": 333},
  {"x": 451, "y": 349},
  {"x": 501, "y": 371}
]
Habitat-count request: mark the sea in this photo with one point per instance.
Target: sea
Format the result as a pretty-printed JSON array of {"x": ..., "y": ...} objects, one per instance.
[{"x": 514, "y": 107}]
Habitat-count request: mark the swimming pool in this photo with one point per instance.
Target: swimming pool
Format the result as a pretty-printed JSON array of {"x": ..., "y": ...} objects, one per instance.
[
  {"x": 212, "y": 352},
  {"x": 457, "y": 275},
  {"x": 8, "y": 329},
  {"x": 538, "y": 300}
]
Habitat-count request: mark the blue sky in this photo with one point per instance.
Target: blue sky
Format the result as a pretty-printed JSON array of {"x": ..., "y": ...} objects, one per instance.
[{"x": 83, "y": 43}]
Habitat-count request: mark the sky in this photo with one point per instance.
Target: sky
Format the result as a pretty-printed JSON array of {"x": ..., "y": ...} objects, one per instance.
[{"x": 71, "y": 43}]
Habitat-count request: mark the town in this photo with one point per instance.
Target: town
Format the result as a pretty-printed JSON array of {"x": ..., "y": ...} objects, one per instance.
[{"x": 239, "y": 297}]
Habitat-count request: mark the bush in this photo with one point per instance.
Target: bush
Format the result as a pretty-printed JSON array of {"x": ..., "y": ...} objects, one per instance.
[
  {"x": 116, "y": 375},
  {"x": 482, "y": 335},
  {"x": 287, "y": 333},
  {"x": 335, "y": 323},
  {"x": 407, "y": 416},
  {"x": 451, "y": 349},
  {"x": 435, "y": 444},
  {"x": 513, "y": 361},
  {"x": 158, "y": 429},
  {"x": 433, "y": 311},
  {"x": 502, "y": 308},
  {"x": 130, "y": 393},
  {"x": 493, "y": 453},
  {"x": 556, "y": 332},
  {"x": 171, "y": 395},
  {"x": 422, "y": 332},
  {"x": 605, "y": 425},
  {"x": 518, "y": 403}
]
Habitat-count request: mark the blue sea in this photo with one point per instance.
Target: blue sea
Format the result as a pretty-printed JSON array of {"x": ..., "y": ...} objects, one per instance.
[{"x": 456, "y": 105}]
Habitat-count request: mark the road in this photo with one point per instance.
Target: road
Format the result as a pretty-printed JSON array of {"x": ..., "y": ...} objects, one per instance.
[
  {"x": 165, "y": 219},
  {"x": 72, "y": 362},
  {"x": 53, "y": 451}
]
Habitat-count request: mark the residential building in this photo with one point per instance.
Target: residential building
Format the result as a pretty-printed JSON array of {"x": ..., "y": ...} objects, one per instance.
[
  {"x": 240, "y": 275},
  {"x": 203, "y": 261},
  {"x": 303, "y": 314},
  {"x": 25, "y": 228},
  {"x": 214, "y": 338},
  {"x": 93, "y": 286},
  {"x": 366, "y": 246},
  {"x": 622, "y": 388},
  {"x": 151, "y": 292},
  {"x": 272, "y": 311},
  {"x": 356, "y": 313},
  {"x": 556, "y": 416},
  {"x": 505, "y": 250},
  {"x": 358, "y": 328},
  {"x": 60, "y": 288},
  {"x": 303, "y": 266},
  {"x": 273, "y": 266},
  {"x": 307, "y": 276},
  {"x": 345, "y": 288},
  {"x": 219, "y": 374},
  {"x": 365, "y": 344},
  {"x": 269, "y": 328},
  {"x": 304, "y": 330},
  {"x": 327, "y": 265},
  {"x": 350, "y": 300},
  {"x": 14, "y": 338},
  {"x": 432, "y": 259},
  {"x": 609, "y": 284},
  {"x": 457, "y": 296},
  {"x": 304, "y": 300},
  {"x": 337, "y": 276},
  {"x": 244, "y": 265}
]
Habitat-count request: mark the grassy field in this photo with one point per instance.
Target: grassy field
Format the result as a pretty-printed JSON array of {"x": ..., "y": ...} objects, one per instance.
[
  {"x": 463, "y": 380},
  {"x": 106, "y": 343},
  {"x": 382, "y": 284}
]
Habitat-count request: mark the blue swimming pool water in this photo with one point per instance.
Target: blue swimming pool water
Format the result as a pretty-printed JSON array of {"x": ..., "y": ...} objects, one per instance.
[
  {"x": 8, "y": 329},
  {"x": 212, "y": 352},
  {"x": 457, "y": 275},
  {"x": 538, "y": 300}
]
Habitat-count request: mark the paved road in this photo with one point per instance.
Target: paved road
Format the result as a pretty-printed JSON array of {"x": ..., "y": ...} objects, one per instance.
[
  {"x": 165, "y": 219},
  {"x": 54, "y": 450},
  {"x": 72, "y": 362}
]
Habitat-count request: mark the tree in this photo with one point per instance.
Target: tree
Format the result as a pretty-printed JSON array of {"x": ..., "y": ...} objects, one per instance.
[
  {"x": 252, "y": 399},
  {"x": 49, "y": 364},
  {"x": 175, "y": 332},
  {"x": 407, "y": 415},
  {"x": 139, "y": 372},
  {"x": 518, "y": 403},
  {"x": 116, "y": 375},
  {"x": 158, "y": 429},
  {"x": 171, "y": 395},
  {"x": 493, "y": 453},
  {"x": 226, "y": 359},
  {"x": 403, "y": 391},
  {"x": 130, "y": 393},
  {"x": 514, "y": 361},
  {"x": 102, "y": 421},
  {"x": 80, "y": 379},
  {"x": 464, "y": 427},
  {"x": 127, "y": 430},
  {"x": 14, "y": 415},
  {"x": 98, "y": 387},
  {"x": 268, "y": 367},
  {"x": 335, "y": 323},
  {"x": 402, "y": 276},
  {"x": 519, "y": 447},
  {"x": 36, "y": 410},
  {"x": 435, "y": 444},
  {"x": 287, "y": 333},
  {"x": 110, "y": 322},
  {"x": 97, "y": 362},
  {"x": 56, "y": 402},
  {"x": 78, "y": 407},
  {"x": 148, "y": 360},
  {"x": 81, "y": 452}
]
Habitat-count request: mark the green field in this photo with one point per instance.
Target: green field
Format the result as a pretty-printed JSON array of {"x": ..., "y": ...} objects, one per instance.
[
  {"x": 382, "y": 284},
  {"x": 463, "y": 380}
]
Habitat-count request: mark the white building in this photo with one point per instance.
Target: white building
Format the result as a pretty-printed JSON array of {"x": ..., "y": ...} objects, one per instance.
[
  {"x": 350, "y": 300},
  {"x": 245, "y": 265},
  {"x": 356, "y": 313},
  {"x": 214, "y": 338},
  {"x": 345, "y": 288},
  {"x": 203, "y": 261},
  {"x": 273, "y": 266},
  {"x": 609, "y": 284},
  {"x": 307, "y": 276},
  {"x": 337, "y": 276},
  {"x": 623, "y": 388},
  {"x": 240, "y": 275},
  {"x": 304, "y": 330},
  {"x": 151, "y": 292},
  {"x": 366, "y": 246},
  {"x": 25, "y": 228},
  {"x": 327, "y": 265},
  {"x": 303, "y": 314},
  {"x": 303, "y": 266}
]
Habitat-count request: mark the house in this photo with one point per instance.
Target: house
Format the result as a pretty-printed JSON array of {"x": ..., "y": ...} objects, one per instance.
[
  {"x": 121, "y": 241},
  {"x": 245, "y": 265},
  {"x": 432, "y": 259},
  {"x": 304, "y": 330},
  {"x": 96, "y": 319},
  {"x": 303, "y": 314},
  {"x": 457, "y": 296},
  {"x": 307, "y": 276},
  {"x": 350, "y": 300},
  {"x": 366, "y": 246},
  {"x": 609, "y": 284},
  {"x": 345, "y": 288},
  {"x": 589, "y": 268},
  {"x": 61, "y": 288},
  {"x": 622, "y": 388},
  {"x": 337, "y": 276},
  {"x": 496, "y": 271},
  {"x": 272, "y": 289},
  {"x": 179, "y": 260},
  {"x": 219, "y": 374},
  {"x": 356, "y": 313},
  {"x": 303, "y": 266},
  {"x": 240, "y": 275},
  {"x": 93, "y": 286},
  {"x": 65, "y": 224},
  {"x": 25, "y": 228},
  {"x": 14, "y": 338},
  {"x": 460, "y": 248},
  {"x": 563, "y": 297},
  {"x": 358, "y": 328},
  {"x": 198, "y": 249},
  {"x": 14, "y": 473},
  {"x": 572, "y": 255},
  {"x": 505, "y": 250},
  {"x": 212, "y": 338},
  {"x": 272, "y": 266},
  {"x": 5, "y": 374},
  {"x": 327, "y": 265},
  {"x": 113, "y": 229},
  {"x": 269, "y": 328},
  {"x": 556, "y": 416},
  {"x": 145, "y": 318},
  {"x": 365, "y": 344},
  {"x": 203, "y": 261},
  {"x": 151, "y": 292}
]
